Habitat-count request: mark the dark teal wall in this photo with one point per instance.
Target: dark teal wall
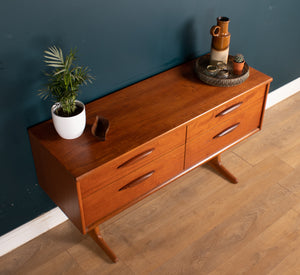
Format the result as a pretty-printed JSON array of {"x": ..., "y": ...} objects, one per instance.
[{"x": 123, "y": 41}]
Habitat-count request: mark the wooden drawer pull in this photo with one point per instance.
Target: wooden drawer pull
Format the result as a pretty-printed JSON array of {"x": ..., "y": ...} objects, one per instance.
[
  {"x": 136, "y": 158},
  {"x": 137, "y": 181},
  {"x": 227, "y": 131},
  {"x": 230, "y": 109}
]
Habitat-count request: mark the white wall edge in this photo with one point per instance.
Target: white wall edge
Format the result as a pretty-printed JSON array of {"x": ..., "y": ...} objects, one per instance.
[
  {"x": 31, "y": 230},
  {"x": 54, "y": 217},
  {"x": 283, "y": 92}
]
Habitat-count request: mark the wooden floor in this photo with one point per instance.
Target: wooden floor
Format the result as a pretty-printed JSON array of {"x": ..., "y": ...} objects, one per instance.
[{"x": 199, "y": 224}]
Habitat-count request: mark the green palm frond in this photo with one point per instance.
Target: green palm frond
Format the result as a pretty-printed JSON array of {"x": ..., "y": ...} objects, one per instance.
[
  {"x": 60, "y": 71},
  {"x": 65, "y": 79},
  {"x": 54, "y": 57}
]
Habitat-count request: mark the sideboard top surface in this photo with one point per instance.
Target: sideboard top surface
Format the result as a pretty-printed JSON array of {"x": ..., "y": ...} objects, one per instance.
[{"x": 138, "y": 114}]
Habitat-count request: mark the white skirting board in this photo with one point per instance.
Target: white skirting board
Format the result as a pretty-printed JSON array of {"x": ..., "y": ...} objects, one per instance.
[
  {"x": 283, "y": 92},
  {"x": 54, "y": 217},
  {"x": 31, "y": 230}
]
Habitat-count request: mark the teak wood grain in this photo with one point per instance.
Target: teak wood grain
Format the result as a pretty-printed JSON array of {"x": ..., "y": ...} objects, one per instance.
[
  {"x": 129, "y": 162},
  {"x": 139, "y": 113},
  {"x": 158, "y": 127},
  {"x": 234, "y": 107},
  {"x": 115, "y": 196},
  {"x": 224, "y": 134}
]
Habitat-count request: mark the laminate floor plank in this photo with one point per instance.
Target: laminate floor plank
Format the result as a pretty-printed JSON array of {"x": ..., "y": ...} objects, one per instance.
[
  {"x": 280, "y": 132},
  {"x": 289, "y": 265},
  {"x": 223, "y": 241},
  {"x": 267, "y": 250},
  {"x": 92, "y": 260},
  {"x": 183, "y": 229},
  {"x": 40, "y": 250},
  {"x": 63, "y": 263}
]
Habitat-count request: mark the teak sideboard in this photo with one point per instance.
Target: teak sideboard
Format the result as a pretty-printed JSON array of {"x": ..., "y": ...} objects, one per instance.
[{"x": 160, "y": 128}]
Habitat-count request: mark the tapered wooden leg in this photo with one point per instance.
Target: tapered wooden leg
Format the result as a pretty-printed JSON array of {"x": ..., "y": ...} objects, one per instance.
[
  {"x": 97, "y": 237},
  {"x": 217, "y": 165}
]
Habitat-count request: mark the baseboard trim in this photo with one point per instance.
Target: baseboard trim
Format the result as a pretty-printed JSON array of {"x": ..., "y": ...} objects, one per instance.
[
  {"x": 54, "y": 217},
  {"x": 31, "y": 230},
  {"x": 283, "y": 92}
]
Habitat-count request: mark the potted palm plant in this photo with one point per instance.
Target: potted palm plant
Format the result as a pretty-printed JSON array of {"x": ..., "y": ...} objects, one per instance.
[{"x": 64, "y": 81}]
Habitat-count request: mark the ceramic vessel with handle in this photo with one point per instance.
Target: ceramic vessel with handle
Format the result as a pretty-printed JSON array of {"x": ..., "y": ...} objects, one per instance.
[{"x": 220, "y": 41}]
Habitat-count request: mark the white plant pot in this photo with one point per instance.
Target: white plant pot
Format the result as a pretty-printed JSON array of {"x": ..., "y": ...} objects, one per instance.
[{"x": 69, "y": 127}]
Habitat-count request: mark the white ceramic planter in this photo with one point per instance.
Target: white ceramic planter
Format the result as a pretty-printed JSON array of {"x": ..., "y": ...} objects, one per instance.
[{"x": 69, "y": 127}]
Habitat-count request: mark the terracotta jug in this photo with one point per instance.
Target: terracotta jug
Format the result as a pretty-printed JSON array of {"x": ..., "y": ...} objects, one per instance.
[{"x": 220, "y": 41}]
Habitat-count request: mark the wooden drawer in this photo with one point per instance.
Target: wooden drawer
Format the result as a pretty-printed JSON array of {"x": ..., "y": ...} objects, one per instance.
[
  {"x": 220, "y": 137},
  {"x": 234, "y": 107},
  {"x": 131, "y": 161},
  {"x": 132, "y": 187}
]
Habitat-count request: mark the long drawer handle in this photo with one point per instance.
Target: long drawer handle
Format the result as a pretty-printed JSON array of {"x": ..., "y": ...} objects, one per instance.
[
  {"x": 230, "y": 109},
  {"x": 136, "y": 158},
  {"x": 137, "y": 181},
  {"x": 227, "y": 131}
]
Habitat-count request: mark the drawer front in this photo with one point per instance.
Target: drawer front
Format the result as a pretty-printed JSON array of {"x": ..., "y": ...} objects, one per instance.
[
  {"x": 131, "y": 161},
  {"x": 223, "y": 135},
  {"x": 132, "y": 187},
  {"x": 227, "y": 110}
]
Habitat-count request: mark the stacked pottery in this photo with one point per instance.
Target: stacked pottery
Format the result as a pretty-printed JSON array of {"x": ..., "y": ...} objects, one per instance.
[{"x": 220, "y": 41}]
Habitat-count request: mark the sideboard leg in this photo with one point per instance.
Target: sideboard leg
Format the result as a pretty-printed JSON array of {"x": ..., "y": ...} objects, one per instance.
[
  {"x": 97, "y": 237},
  {"x": 217, "y": 165}
]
